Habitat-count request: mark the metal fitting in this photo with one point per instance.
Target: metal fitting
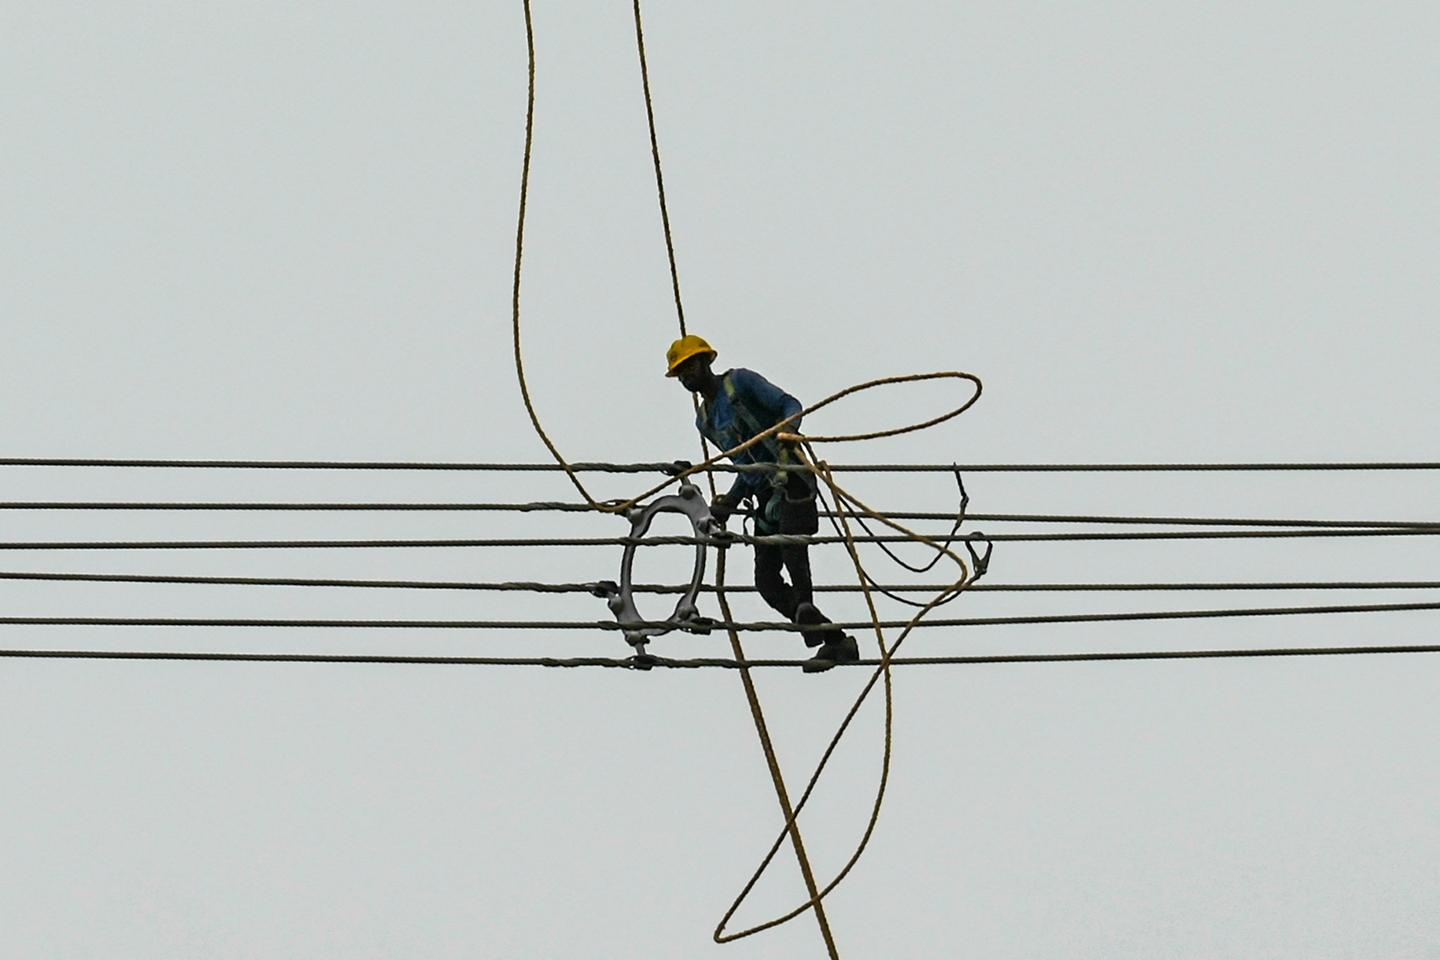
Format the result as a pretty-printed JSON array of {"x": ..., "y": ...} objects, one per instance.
[{"x": 686, "y": 615}]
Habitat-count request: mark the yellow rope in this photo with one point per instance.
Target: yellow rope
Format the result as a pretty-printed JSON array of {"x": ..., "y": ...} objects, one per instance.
[
  {"x": 778, "y": 429},
  {"x": 519, "y": 254},
  {"x": 844, "y": 501},
  {"x": 792, "y": 826},
  {"x": 752, "y": 697},
  {"x": 887, "y": 653}
]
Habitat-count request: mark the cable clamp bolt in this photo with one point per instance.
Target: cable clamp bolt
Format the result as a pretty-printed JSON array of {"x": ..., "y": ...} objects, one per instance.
[{"x": 642, "y": 660}]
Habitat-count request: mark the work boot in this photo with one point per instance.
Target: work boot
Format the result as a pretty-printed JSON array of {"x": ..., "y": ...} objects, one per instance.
[
  {"x": 841, "y": 650},
  {"x": 806, "y": 614}
]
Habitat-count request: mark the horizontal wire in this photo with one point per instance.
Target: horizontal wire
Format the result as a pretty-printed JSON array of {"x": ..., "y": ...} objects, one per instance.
[
  {"x": 571, "y": 507},
  {"x": 523, "y": 586},
  {"x": 749, "y": 626},
  {"x": 775, "y": 540},
  {"x": 631, "y": 663},
  {"x": 665, "y": 466},
  {"x": 1169, "y": 520},
  {"x": 597, "y": 467},
  {"x": 136, "y": 505}
]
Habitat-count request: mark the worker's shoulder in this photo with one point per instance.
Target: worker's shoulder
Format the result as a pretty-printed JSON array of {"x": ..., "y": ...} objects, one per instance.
[{"x": 743, "y": 377}]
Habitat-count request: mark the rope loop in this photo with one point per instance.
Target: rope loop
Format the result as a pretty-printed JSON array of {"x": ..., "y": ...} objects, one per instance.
[{"x": 846, "y": 505}]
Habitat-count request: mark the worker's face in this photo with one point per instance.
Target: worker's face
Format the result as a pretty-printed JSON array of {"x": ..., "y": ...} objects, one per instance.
[{"x": 692, "y": 372}]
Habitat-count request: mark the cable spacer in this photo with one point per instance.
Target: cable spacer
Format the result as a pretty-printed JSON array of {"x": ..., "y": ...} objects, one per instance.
[{"x": 686, "y": 615}]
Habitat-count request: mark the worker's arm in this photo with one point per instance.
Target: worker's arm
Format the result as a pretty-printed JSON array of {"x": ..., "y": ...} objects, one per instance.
[{"x": 744, "y": 485}]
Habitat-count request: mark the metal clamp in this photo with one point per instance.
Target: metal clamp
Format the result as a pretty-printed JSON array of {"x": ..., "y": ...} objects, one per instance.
[
  {"x": 686, "y": 616},
  {"x": 980, "y": 561}
]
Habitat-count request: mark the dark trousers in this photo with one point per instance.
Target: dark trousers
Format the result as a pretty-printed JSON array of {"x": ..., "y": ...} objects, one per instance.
[{"x": 772, "y": 562}]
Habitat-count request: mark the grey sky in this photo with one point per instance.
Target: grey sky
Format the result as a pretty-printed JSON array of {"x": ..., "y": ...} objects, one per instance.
[{"x": 1174, "y": 231}]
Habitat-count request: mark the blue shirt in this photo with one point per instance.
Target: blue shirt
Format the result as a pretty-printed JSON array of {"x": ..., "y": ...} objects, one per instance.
[{"x": 765, "y": 404}]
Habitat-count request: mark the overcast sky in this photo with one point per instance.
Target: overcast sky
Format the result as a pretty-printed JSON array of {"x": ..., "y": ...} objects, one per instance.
[{"x": 1159, "y": 232}]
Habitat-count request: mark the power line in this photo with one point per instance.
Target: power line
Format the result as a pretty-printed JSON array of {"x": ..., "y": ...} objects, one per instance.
[
  {"x": 660, "y": 467},
  {"x": 651, "y": 541},
  {"x": 631, "y": 663},
  {"x": 572, "y": 507},
  {"x": 283, "y": 506},
  {"x": 748, "y": 626},
  {"x": 524, "y": 586}
]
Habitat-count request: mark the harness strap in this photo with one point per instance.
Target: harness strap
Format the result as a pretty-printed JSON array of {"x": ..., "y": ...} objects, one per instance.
[{"x": 777, "y": 451}]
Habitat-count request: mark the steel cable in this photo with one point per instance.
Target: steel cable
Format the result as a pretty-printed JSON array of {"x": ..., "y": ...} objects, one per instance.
[
  {"x": 591, "y": 587},
  {"x": 720, "y": 467},
  {"x": 653, "y": 541},
  {"x": 756, "y": 626},
  {"x": 540, "y": 506},
  {"x": 631, "y": 663}
]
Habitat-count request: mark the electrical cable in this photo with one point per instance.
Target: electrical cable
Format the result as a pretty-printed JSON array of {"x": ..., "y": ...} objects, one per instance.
[
  {"x": 772, "y": 540},
  {"x": 631, "y": 663},
  {"x": 782, "y": 626},
  {"x": 720, "y": 467},
  {"x": 569, "y": 507},
  {"x": 591, "y": 587}
]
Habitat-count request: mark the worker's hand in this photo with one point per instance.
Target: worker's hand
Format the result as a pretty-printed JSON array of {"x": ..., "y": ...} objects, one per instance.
[{"x": 722, "y": 507}]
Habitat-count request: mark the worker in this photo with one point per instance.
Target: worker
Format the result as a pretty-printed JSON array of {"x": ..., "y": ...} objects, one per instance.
[{"x": 736, "y": 406}]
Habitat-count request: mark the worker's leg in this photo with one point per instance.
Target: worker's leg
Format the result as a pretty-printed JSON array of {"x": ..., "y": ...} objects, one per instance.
[
  {"x": 769, "y": 560},
  {"x": 798, "y": 515},
  {"x": 797, "y": 564}
]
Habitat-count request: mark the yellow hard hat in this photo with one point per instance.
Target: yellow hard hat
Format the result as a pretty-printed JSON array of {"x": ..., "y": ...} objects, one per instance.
[{"x": 683, "y": 349}]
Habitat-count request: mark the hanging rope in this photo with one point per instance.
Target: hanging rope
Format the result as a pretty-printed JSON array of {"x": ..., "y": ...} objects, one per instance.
[
  {"x": 752, "y": 697},
  {"x": 659, "y": 174},
  {"x": 846, "y": 506}
]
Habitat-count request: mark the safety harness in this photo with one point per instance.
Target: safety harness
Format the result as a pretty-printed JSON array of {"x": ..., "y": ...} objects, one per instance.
[{"x": 780, "y": 454}]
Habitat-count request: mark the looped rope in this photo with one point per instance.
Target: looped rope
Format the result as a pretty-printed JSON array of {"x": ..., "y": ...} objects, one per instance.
[
  {"x": 882, "y": 671},
  {"x": 844, "y": 501}
]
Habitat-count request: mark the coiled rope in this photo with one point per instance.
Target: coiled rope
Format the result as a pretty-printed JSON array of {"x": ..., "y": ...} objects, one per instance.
[{"x": 844, "y": 503}]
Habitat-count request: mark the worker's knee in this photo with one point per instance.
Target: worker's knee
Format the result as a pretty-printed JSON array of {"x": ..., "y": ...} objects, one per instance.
[
  {"x": 770, "y": 581},
  {"x": 768, "y": 564}
]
